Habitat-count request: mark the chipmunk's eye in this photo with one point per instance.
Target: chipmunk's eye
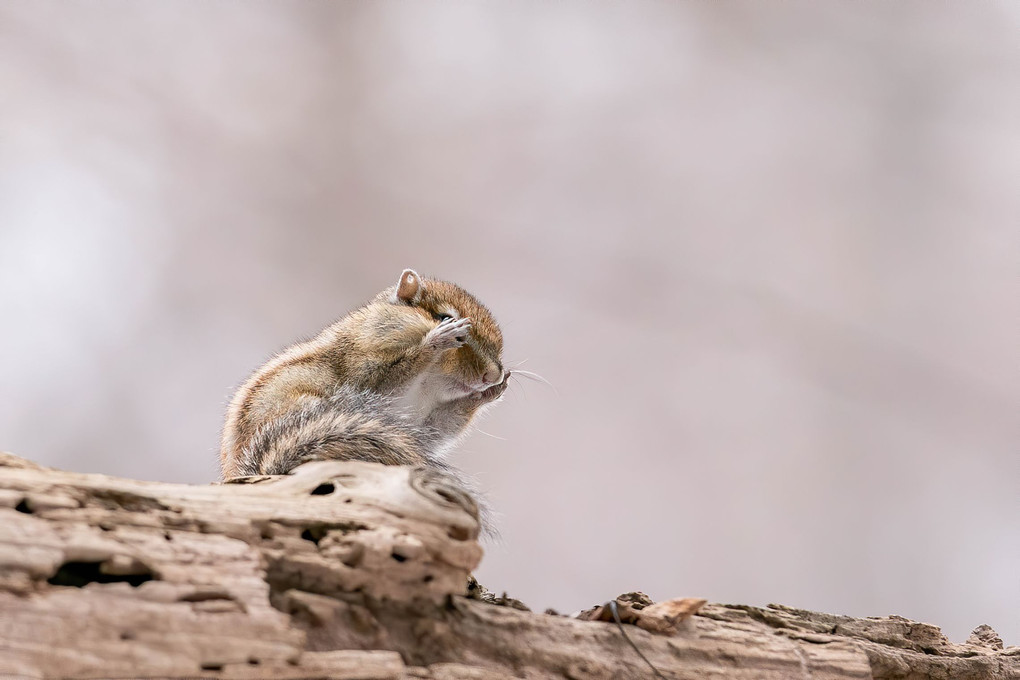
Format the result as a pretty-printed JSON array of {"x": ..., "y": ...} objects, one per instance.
[{"x": 440, "y": 317}]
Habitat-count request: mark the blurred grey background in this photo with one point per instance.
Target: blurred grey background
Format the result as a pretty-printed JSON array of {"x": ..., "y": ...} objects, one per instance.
[{"x": 765, "y": 252}]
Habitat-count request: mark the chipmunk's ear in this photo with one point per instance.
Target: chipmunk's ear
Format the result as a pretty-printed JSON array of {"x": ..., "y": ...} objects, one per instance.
[{"x": 409, "y": 287}]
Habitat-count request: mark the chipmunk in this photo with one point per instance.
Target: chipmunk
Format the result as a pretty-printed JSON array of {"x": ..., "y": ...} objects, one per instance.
[{"x": 396, "y": 382}]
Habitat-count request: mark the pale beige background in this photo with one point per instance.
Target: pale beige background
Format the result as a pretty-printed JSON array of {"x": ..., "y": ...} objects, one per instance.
[{"x": 765, "y": 252}]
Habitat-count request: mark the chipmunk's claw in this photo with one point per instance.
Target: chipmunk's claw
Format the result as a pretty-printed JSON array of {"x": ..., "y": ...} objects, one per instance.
[{"x": 449, "y": 334}]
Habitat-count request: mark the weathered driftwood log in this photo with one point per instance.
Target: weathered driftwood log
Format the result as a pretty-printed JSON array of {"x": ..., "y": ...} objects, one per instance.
[{"x": 356, "y": 570}]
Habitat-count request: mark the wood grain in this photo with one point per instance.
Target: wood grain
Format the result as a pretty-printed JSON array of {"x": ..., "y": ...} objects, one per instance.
[{"x": 358, "y": 570}]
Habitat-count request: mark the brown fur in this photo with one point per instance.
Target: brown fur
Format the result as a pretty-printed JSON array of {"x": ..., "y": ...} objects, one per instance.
[{"x": 391, "y": 382}]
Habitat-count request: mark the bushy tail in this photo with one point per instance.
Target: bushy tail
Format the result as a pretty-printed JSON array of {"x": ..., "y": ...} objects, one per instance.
[
  {"x": 348, "y": 425},
  {"x": 352, "y": 425}
]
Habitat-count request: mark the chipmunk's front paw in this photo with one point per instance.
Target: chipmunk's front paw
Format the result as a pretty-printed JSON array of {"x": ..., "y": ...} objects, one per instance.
[{"x": 449, "y": 334}]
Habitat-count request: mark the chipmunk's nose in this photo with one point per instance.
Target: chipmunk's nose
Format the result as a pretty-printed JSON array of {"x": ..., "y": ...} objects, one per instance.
[{"x": 493, "y": 375}]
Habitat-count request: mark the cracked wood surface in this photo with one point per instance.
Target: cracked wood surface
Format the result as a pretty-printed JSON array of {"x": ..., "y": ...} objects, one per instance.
[{"x": 358, "y": 570}]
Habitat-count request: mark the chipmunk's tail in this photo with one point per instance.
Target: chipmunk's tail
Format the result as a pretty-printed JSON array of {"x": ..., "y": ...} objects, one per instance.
[
  {"x": 349, "y": 425},
  {"x": 352, "y": 425}
]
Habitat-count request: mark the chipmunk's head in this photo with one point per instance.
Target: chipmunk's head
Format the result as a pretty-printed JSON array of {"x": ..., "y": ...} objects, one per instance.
[{"x": 477, "y": 363}]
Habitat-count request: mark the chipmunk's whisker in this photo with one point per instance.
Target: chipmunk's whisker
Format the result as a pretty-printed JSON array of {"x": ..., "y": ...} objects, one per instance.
[
  {"x": 502, "y": 439},
  {"x": 530, "y": 375}
]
